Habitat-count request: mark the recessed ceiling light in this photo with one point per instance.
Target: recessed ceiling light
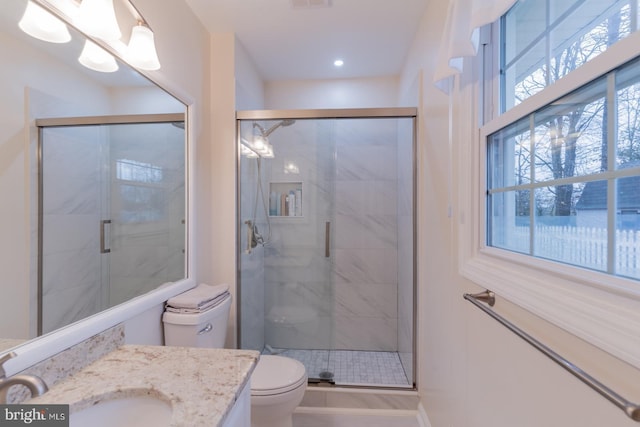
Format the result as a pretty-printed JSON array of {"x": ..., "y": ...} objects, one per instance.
[{"x": 338, "y": 62}]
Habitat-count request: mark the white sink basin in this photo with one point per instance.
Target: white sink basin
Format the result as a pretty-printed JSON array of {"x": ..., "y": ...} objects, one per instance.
[{"x": 139, "y": 411}]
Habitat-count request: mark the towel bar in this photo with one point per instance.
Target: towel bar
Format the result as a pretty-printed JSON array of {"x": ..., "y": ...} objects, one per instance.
[{"x": 631, "y": 409}]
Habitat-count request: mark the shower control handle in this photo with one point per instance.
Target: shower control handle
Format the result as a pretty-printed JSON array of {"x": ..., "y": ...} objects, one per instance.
[
  {"x": 327, "y": 239},
  {"x": 103, "y": 250}
]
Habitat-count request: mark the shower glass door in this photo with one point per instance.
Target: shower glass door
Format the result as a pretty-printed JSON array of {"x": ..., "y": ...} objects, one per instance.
[
  {"x": 286, "y": 207},
  {"x": 329, "y": 282},
  {"x": 112, "y": 216}
]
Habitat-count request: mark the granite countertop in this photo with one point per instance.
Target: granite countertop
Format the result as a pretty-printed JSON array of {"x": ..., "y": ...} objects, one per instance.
[{"x": 201, "y": 384}]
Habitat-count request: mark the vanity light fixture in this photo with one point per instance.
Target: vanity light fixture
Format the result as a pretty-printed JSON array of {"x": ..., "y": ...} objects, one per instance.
[
  {"x": 338, "y": 63},
  {"x": 41, "y": 24},
  {"x": 259, "y": 147},
  {"x": 246, "y": 151},
  {"x": 262, "y": 146},
  {"x": 260, "y": 143},
  {"x": 141, "y": 52},
  {"x": 267, "y": 153},
  {"x": 97, "y": 59},
  {"x": 96, "y": 18}
]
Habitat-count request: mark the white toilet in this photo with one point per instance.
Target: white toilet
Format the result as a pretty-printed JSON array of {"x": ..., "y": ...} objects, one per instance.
[
  {"x": 278, "y": 383},
  {"x": 277, "y": 386},
  {"x": 204, "y": 329}
]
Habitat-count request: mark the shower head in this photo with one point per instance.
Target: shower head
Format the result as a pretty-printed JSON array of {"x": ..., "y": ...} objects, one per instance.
[
  {"x": 283, "y": 123},
  {"x": 260, "y": 143}
]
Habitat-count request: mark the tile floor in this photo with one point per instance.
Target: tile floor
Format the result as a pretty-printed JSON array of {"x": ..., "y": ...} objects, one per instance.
[{"x": 349, "y": 367}]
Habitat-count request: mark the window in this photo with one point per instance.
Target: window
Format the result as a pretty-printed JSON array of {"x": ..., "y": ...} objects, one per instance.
[
  {"x": 557, "y": 190},
  {"x": 544, "y": 40},
  {"x": 548, "y": 216},
  {"x": 141, "y": 194}
]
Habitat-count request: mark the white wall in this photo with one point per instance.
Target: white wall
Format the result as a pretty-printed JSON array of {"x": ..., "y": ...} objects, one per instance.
[
  {"x": 27, "y": 94},
  {"x": 473, "y": 372},
  {"x": 231, "y": 69},
  {"x": 378, "y": 92},
  {"x": 249, "y": 84}
]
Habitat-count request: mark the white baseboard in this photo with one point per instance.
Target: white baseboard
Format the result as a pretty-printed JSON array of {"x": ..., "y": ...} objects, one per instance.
[
  {"x": 337, "y": 397},
  {"x": 356, "y": 411},
  {"x": 423, "y": 419}
]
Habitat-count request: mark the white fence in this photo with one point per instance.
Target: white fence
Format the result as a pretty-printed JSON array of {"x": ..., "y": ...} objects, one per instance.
[{"x": 581, "y": 246}]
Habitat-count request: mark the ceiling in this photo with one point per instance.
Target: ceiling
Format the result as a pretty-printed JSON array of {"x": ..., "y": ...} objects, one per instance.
[{"x": 300, "y": 39}]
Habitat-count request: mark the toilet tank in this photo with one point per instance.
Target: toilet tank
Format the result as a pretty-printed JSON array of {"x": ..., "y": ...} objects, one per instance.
[{"x": 207, "y": 329}]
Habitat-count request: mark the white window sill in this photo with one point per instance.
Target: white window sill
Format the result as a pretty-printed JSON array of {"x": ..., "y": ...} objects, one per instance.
[{"x": 601, "y": 309}]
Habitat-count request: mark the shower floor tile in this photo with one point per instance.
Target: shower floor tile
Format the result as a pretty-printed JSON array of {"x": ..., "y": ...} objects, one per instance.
[{"x": 350, "y": 367}]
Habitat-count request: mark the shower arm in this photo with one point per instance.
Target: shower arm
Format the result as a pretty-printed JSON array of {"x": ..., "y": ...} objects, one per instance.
[
  {"x": 260, "y": 128},
  {"x": 271, "y": 129},
  {"x": 266, "y": 133}
]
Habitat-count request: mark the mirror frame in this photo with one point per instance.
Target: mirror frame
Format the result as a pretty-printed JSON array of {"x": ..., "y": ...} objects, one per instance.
[{"x": 45, "y": 346}]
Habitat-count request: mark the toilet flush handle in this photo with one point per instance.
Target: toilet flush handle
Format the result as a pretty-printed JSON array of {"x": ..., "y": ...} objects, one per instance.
[{"x": 206, "y": 329}]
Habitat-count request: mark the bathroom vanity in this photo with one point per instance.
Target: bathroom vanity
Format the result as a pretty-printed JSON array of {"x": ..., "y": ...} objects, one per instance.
[{"x": 197, "y": 387}]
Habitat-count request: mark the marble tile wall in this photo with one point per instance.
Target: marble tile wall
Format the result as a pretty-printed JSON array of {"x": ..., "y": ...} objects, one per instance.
[
  {"x": 251, "y": 262},
  {"x": 298, "y": 304},
  {"x": 72, "y": 210},
  {"x": 356, "y": 176},
  {"x": 147, "y": 233},
  {"x": 365, "y": 235},
  {"x": 144, "y": 253}
]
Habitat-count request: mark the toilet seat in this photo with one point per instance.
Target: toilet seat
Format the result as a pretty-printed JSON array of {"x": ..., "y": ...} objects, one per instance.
[{"x": 276, "y": 375}]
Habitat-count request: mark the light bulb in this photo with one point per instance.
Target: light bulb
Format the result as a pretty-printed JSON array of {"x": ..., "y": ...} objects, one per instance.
[
  {"x": 97, "y": 18},
  {"x": 141, "y": 52},
  {"x": 41, "y": 24},
  {"x": 259, "y": 143},
  {"x": 268, "y": 152},
  {"x": 96, "y": 58}
]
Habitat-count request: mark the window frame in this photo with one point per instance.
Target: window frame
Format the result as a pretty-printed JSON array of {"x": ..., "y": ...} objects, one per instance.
[
  {"x": 597, "y": 307},
  {"x": 546, "y": 35}
]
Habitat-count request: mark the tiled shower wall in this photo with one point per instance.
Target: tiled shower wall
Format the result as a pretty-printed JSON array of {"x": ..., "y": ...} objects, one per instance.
[
  {"x": 148, "y": 234},
  {"x": 251, "y": 313},
  {"x": 298, "y": 295},
  {"x": 72, "y": 210},
  {"x": 78, "y": 281},
  {"x": 365, "y": 271},
  {"x": 357, "y": 176}
]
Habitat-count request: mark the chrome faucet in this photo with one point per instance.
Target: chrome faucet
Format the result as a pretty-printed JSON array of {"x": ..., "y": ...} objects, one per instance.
[{"x": 34, "y": 383}]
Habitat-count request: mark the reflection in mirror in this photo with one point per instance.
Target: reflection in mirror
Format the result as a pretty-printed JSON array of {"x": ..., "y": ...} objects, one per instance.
[
  {"x": 137, "y": 170},
  {"x": 112, "y": 218}
]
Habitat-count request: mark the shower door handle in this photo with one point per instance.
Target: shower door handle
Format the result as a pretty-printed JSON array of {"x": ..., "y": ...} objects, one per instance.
[
  {"x": 103, "y": 250},
  {"x": 327, "y": 239}
]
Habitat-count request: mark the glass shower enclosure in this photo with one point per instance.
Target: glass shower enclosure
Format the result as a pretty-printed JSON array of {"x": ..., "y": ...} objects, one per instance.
[
  {"x": 112, "y": 212},
  {"x": 326, "y": 260}
]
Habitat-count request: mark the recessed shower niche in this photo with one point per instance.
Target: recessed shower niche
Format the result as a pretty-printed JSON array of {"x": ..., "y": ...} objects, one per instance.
[
  {"x": 285, "y": 199},
  {"x": 326, "y": 242}
]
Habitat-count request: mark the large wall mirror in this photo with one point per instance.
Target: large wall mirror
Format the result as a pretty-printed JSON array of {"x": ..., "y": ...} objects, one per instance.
[{"x": 92, "y": 182}]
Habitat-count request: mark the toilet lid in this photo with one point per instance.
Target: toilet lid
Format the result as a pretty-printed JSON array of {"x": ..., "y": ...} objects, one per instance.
[{"x": 277, "y": 374}]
